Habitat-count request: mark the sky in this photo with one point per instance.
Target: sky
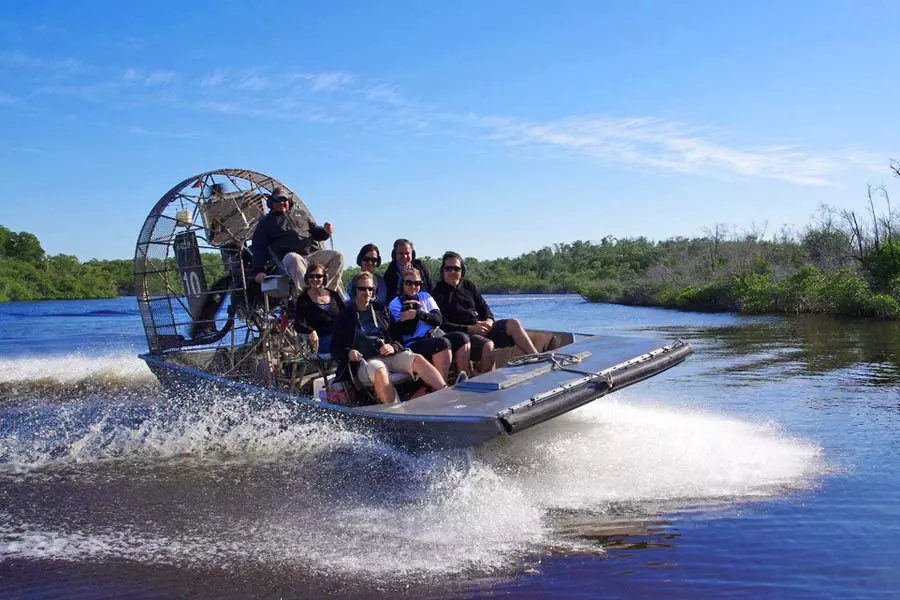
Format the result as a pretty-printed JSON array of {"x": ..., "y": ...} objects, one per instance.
[{"x": 491, "y": 127}]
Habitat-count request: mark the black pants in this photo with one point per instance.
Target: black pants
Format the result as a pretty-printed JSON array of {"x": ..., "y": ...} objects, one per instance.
[{"x": 429, "y": 346}]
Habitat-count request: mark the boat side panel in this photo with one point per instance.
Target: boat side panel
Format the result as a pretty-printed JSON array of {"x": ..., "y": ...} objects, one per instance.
[{"x": 418, "y": 433}]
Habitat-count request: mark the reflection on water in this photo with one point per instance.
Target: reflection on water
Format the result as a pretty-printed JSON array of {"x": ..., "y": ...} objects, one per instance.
[{"x": 869, "y": 350}]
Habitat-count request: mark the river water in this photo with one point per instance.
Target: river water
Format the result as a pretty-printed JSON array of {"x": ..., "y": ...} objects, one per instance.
[{"x": 766, "y": 466}]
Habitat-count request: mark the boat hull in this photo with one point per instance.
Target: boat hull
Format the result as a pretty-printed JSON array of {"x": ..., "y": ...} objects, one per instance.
[{"x": 503, "y": 402}]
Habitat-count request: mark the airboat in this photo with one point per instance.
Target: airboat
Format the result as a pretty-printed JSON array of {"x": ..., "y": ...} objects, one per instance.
[{"x": 209, "y": 324}]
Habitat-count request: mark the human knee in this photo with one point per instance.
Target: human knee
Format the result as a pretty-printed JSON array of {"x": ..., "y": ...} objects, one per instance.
[
  {"x": 382, "y": 376},
  {"x": 371, "y": 369}
]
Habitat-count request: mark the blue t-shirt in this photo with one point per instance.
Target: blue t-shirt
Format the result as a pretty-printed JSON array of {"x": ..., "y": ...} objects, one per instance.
[{"x": 426, "y": 303}]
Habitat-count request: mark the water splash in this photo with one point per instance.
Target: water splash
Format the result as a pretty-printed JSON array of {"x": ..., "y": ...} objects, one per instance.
[
  {"x": 58, "y": 378},
  {"x": 612, "y": 451},
  {"x": 204, "y": 480}
]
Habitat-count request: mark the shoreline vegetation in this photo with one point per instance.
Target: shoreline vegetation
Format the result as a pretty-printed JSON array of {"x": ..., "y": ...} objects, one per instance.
[{"x": 844, "y": 263}]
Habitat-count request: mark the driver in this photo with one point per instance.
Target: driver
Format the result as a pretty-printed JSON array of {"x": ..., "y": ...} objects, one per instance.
[{"x": 290, "y": 232}]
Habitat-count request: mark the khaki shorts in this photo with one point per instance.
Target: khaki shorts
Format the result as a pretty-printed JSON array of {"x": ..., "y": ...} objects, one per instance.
[{"x": 400, "y": 362}]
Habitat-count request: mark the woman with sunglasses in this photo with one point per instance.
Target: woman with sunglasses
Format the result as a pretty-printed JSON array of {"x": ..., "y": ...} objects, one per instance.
[
  {"x": 368, "y": 259},
  {"x": 317, "y": 308},
  {"x": 464, "y": 309},
  {"x": 416, "y": 324},
  {"x": 365, "y": 350}
]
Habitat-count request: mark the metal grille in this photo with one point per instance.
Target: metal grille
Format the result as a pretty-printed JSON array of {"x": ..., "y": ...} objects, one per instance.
[{"x": 189, "y": 255}]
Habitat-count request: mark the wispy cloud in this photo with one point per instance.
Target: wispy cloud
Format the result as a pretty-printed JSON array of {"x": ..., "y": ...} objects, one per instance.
[
  {"x": 8, "y": 100},
  {"x": 645, "y": 142},
  {"x": 177, "y": 135},
  {"x": 216, "y": 78},
  {"x": 329, "y": 82},
  {"x": 666, "y": 146},
  {"x": 19, "y": 60},
  {"x": 151, "y": 78},
  {"x": 254, "y": 79},
  {"x": 382, "y": 92}
]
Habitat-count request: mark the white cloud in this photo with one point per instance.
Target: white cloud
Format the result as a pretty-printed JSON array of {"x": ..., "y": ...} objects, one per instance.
[
  {"x": 646, "y": 143},
  {"x": 19, "y": 60},
  {"x": 8, "y": 100},
  {"x": 152, "y": 78},
  {"x": 254, "y": 82},
  {"x": 328, "y": 82},
  {"x": 667, "y": 146},
  {"x": 179, "y": 135},
  {"x": 381, "y": 92},
  {"x": 216, "y": 78}
]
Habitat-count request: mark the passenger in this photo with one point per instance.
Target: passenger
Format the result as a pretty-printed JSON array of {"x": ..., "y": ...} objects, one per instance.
[
  {"x": 417, "y": 320},
  {"x": 464, "y": 309},
  {"x": 317, "y": 309},
  {"x": 368, "y": 259},
  {"x": 362, "y": 333},
  {"x": 403, "y": 256},
  {"x": 292, "y": 234}
]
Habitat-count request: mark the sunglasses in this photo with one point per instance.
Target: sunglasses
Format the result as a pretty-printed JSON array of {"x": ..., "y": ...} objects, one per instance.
[
  {"x": 411, "y": 282},
  {"x": 279, "y": 199},
  {"x": 370, "y": 259},
  {"x": 452, "y": 268},
  {"x": 315, "y": 276},
  {"x": 364, "y": 289}
]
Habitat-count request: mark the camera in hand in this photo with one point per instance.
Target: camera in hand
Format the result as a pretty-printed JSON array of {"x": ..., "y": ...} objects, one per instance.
[{"x": 410, "y": 303}]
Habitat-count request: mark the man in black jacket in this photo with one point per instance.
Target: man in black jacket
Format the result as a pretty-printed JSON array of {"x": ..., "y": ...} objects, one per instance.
[
  {"x": 463, "y": 309},
  {"x": 403, "y": 257},
  {"x": 291, "y": 233}
]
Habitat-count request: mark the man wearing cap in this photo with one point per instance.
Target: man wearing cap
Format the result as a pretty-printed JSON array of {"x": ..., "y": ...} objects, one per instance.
[{"x": 290, "y": 232}]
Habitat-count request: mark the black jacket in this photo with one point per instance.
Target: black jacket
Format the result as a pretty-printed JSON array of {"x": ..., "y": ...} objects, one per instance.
[
  {"x": 293, "y": 231},
  {"x": 460, "y": 306},
  {"x": 343, "y": 336},
  {"x": 310, "y": 317},
  {"x": 392, "y": 278}
]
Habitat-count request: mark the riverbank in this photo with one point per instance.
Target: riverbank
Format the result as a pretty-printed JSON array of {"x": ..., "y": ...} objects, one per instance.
[{"x": 809, "y": 291}]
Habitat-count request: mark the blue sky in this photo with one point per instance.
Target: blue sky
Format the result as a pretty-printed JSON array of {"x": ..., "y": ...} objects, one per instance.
[{"x": 493, "y": 128}]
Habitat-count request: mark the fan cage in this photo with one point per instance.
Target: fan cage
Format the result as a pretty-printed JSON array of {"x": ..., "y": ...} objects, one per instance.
[{"x": 192, "y": 252}]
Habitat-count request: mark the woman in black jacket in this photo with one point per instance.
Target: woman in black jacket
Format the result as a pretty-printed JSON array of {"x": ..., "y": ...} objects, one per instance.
[
  {"x": 317, "y": 308},
  {"x": 362, "y": 341}
]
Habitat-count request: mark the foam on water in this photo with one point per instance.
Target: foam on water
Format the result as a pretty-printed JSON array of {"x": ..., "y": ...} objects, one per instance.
[
  {"x": 613, "y": 451},
  {"x": 347, "y": 503},
  {"x": 62, "y": 375}
]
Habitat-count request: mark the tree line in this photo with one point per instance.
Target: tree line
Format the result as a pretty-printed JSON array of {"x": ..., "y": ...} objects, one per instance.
[{"x": 845, "y": 262}]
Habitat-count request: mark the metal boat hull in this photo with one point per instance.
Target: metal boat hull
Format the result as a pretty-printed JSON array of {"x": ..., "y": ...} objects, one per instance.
[{"x": 503, "y": 402}]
